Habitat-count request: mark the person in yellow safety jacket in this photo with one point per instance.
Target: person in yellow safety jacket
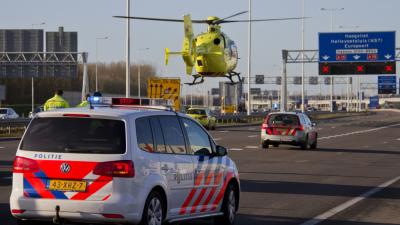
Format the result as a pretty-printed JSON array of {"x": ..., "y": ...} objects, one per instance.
[
  {"x": 56, "y": 102},
  {"x": 84, "y": 103}
]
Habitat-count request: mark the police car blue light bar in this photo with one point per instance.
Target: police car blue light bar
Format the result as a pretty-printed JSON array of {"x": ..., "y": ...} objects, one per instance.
[{"x": 116, "y": 101}]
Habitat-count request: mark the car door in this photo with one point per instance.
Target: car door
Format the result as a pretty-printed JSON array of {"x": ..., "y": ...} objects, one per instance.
[
  {"x": 208, "y": 168},
  {"x": 312, "y": 129},
  {"x": 176, "y": 164}
]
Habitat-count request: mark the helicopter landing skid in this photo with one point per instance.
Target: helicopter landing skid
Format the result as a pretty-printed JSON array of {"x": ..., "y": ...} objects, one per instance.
[
  {"x": 234, "y": 74},
  {"x": 195, "y": 79}
]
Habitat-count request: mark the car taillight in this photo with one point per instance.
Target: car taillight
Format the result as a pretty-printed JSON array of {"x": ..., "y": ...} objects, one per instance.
[
  {"x": 17, "y": 211},
  {"x": 122, "y": 168},
  {"x": 264, "y": 126},
  {"x": 300, "y": 128},
  {"x": 25, "y": 165}
]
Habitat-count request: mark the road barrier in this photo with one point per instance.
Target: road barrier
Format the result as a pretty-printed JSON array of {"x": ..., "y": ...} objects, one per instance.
[{"x": 9, "y": 126}]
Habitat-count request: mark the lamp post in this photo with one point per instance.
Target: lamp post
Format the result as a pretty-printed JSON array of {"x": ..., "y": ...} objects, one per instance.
[
  {"x": 302, "y": 64},
  {"x": 346, "y": 27},
  {"x": 128, "y": 52},
  {"x": 33, "y": 83},
  {"x": 97, "y": 60},
  {"x": 139, "y": 69},
  {"x": 332, "y": 10},
  {"x": 249, "y": 63}
]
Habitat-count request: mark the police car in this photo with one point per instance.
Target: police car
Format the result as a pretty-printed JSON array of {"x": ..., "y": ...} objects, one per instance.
[{"x": 123, "y": 161}]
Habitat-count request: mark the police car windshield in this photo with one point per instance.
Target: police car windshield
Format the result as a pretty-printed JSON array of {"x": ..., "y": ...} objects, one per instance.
[{"x": 75, "y": 135}]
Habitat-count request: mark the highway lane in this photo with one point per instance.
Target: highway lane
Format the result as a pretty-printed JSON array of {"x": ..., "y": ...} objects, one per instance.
[{"x": 286, "y": 185}]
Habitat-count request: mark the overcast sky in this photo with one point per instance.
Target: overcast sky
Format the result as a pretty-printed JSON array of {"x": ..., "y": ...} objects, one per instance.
[{"x": 93, "y": 19}]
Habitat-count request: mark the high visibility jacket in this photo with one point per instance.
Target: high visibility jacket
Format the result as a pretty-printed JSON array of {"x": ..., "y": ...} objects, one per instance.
[
  {"x": 84, "y": 103},
  {"x": 56, "y": 102}
]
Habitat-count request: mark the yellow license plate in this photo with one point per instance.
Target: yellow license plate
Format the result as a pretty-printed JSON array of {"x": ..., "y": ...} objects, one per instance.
[{"x": 67, "y": 185}]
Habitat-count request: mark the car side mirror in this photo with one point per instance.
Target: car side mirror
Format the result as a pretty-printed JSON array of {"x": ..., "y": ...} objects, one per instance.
[{"x": 221, "y": 151}]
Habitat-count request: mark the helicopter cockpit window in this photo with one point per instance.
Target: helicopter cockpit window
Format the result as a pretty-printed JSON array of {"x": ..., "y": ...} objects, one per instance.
[{"x": 223, "y": 36}]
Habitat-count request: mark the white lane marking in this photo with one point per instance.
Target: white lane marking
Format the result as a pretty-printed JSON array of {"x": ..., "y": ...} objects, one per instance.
[
  {"x": 2, "y": 147},
  {"x": 223, "y": 131},
  {"x": 398, "y": 139},
  {"x": 324, "y": 216},
  {"x": 333, "y": 127},
  {"x": 236, "y": 149},
  {"x": 253, "y": 147},
  {"x": 252, "y": 136},
  {"x": 217, "y": 139},
  {"x": 385, "y": 142},
  {"x": 358, "y": 132}
]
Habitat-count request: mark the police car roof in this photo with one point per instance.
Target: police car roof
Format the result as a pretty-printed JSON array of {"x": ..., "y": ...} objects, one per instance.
[{"x": 117, "y": 112}]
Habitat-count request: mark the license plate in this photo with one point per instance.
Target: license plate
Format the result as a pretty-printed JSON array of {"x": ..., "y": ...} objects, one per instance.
[{"x": 67, "y": 185}]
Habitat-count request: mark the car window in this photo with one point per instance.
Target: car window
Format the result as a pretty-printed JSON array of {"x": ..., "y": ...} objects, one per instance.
[
  {"x": 158, "y": 135},
  {"x": 3, "y": 111},
  {"x": 75, "y": 135},
  {"x": 199, "y": 140},
  {"x": 173, "y": 136},
  {"x": 197, "y": 111},
  {"x": 144, "y": 135},
  {"x": 283, "y": 120},
  {"x": 308, "y": 121}
]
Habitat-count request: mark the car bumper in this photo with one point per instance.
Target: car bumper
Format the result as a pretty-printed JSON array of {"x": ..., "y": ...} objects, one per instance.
[
  {"x": 298, "y": 139},
  {"x": 77, "y": 211}
]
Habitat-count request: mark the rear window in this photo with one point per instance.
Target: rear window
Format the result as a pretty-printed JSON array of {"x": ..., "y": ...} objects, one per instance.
[
  {"x": 283, "y": 120},
  {"x": 3, "y": 111},
  {"x": 197, "y": 111},
  {"x": 75, "y": 135}
]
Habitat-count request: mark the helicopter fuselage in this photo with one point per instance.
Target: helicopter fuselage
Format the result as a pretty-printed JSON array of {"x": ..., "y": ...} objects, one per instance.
[{"x": 216, "y": 54}]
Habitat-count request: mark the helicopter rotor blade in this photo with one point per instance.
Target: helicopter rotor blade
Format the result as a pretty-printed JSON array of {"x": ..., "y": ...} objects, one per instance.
[
  {"x": 158, "y": 19},
  {"x": 263, "y": 20},
  {"x": 234, "y": 15}
]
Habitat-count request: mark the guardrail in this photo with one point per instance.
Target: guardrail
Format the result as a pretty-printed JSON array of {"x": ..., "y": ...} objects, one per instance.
[{"x": 8, "y": 125}]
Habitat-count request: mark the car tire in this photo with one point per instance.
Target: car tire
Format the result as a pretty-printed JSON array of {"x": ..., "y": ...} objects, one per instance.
[
  {"x": 315, "y": 144},
  {"x": 229, "y": 207},
  {"x": 154, "y": 210},
  {"x": 264, "y": 145},
  {"x": 214, "y": 127},
  {"x": 305, "y": 144},
  {"x": 275, "y": 145}
]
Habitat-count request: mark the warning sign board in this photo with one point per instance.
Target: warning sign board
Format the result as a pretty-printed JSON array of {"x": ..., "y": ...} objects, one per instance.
[{"x": 165, "y": 88}]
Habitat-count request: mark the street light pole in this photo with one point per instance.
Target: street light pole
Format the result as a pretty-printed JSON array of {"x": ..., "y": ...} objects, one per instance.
[
  {"x": 128, "y": 53},
  {"x": 331, "y": 10},
  {"x": 97, "y": 60},
  {"x": 32, "y": 82},
  {"x": 302, "y": 64},
  {"x": 249, "y": 63}
]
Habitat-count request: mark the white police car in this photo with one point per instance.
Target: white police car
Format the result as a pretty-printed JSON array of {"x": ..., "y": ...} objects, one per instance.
[{"x": 122, "y": 164}]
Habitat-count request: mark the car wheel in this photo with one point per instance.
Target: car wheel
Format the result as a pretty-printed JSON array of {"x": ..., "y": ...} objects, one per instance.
[
  {"x": 215, "y": 126},
  {"x": 276, "y": 145},
  {"x": 305, "y": 144},
  {"x": 153, "y": 212},
  {"x": 314, "y": 145},
  {"x": 265, "y": 144},
  {"x": 229, "y": 206}
]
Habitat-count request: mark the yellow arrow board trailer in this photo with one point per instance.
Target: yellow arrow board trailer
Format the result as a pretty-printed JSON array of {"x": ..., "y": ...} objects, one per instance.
[{"x": 165, "y": 88}]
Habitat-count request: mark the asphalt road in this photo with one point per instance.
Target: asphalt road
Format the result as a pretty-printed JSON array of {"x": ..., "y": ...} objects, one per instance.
[{"x": 342, "y": 182}]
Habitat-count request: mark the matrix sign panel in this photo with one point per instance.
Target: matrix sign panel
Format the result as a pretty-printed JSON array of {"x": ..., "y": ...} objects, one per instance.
[
  {"x": 387, "y": 85},
  {"x": 357, "y": 53}
]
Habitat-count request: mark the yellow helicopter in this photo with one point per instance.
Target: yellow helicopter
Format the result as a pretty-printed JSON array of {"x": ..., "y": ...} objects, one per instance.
[{"x": 212, "y": 53}]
